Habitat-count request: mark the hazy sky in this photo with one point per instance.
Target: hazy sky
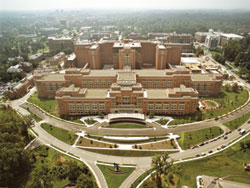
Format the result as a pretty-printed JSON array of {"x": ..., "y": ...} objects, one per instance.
[{"x": 133, "y": 4}]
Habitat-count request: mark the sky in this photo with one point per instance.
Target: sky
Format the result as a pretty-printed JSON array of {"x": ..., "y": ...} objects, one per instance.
[{"x": 122, "y": 4}]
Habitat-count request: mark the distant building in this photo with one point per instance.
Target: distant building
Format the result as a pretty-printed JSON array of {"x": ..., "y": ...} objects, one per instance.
[
  {"x": 57, "y": 58},
  {"x": 225, "y": 38},
  {"x": 185, "y": 41},
  {"x": 212, "y": 41},
  {"x": 15, "y": 69},
  {"x": 26, "y": 66},
  {"x": 201, "y": 36},
  {"x": 36, "y": 58},
  {"x": 21, "y": 88},
  {"x": 60, "y": 43},
  {"x": 71, "y": 61}
]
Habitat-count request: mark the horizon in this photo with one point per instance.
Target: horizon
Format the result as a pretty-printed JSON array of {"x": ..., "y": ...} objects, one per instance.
[{"x": 48, "y": 5}]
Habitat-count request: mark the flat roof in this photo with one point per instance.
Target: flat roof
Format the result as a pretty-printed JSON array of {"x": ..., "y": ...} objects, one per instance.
[
  {"x": 156, "y": 93},
  {"x": 190, "y": 60},
  {"x": 53, "y": 77},
  {"x": 96, "y": 93},
  {"x": 201, "y": 77}
]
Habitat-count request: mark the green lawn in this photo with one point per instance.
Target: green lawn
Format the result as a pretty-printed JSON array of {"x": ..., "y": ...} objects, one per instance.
[
  {"x": 35, "y": 117},
  {"x": 66, "y": 136},
  {"x": 127, "y": 126},
  {"x": 225, "y": 163},
  {"x": 226, "y": 98},
  {"x": 115, "y": 180},
  {"x": 234, "y": 124},
  {"x": 162, "y": 121},
  {"x": 211, "y": 103},
  {"x": 48, "y": 105},
  {"x": 189, "y": 139},
  {"x": 128, "y": 153}
]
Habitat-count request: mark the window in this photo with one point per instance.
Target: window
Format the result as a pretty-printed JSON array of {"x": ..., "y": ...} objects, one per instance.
[
  {"x": 126, "y": 100},
  {"x": 181, "y": 106},
  {"x": 157, "y": 84},
  {"x": 109, "y": 83},
  {"x": 173, "y": 108},
  {"x": 71, "y": 108},
  {"x": 86, "y": 107},
  {"x": 102, "y": 106},
  {"x": 158, "y": 107},
  {"x": 103, "y": 83},
  {"x": 127, "y": 60},
  {"x": 97, "y": 84},
  {"x": 144, "y": 84},
  {"x": 79, "y": 107},
  {"x": 163, "y": 84},
  {"x": 90, "y": 84},
  {"x": 94, "y": 107},
  {"x": 84, "y": 84},
  {"x": 150, "y": 106},
  {"x": 150, "y": 84},
  {"x": 169, "y": 84},
  {"x": 165, "y": 106}
]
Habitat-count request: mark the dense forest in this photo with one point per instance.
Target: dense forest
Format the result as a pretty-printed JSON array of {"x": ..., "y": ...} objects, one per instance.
[{"x": 34, "y": 169}]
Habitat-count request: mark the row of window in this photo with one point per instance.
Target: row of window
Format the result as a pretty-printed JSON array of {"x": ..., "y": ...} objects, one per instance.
[
  {"x": 165, "y": 106},
  {"x": 86, "y": 107},
  {"x": 157, "y": 84},
  {"x": 96, "y": 83}
]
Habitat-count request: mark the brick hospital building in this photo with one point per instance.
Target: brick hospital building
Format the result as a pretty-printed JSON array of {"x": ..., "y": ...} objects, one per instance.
[{"x": 127, "y": 77}]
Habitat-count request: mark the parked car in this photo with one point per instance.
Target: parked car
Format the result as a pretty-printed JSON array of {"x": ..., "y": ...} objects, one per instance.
[{"x": 243, "y": 131}]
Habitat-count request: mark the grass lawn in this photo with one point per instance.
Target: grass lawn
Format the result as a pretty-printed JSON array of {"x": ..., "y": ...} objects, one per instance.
[
  {"x": 90, "y": 121},
  {"x": 128, "y": 153},
  {"x": 92, "y": 143},
  {"x": 127, "y": 126},
  {"x": 162, "y": 121},
  {"x": 211, "y": 103},
  {"x": 234, "y": 124},
  {"x": 35, "y": 117},
  {"x": 226, "y": 98},
  {"x": 228, "y": 162},
  {"x": 115, "y": 180},
  {"x": 188, "y": 139},
  {"x": 48, "y": 105},
  {"x": 167, "y": 144},
  {"x": 66, "y": 136}
]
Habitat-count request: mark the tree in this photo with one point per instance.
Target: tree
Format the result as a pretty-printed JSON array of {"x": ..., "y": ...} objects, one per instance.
[
  {"x": 84, "y": 181},
  {"x": 235, "y": 87},
  {"x": 227, "y": 87},
  {"x": 162, "y": 166},
  {"x": 42, "y": 178},
  {"x": 73, "y": 171}
]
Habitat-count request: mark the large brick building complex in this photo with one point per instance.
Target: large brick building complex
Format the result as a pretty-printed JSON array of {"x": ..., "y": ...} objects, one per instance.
[{"x": 124, "y": 77}]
